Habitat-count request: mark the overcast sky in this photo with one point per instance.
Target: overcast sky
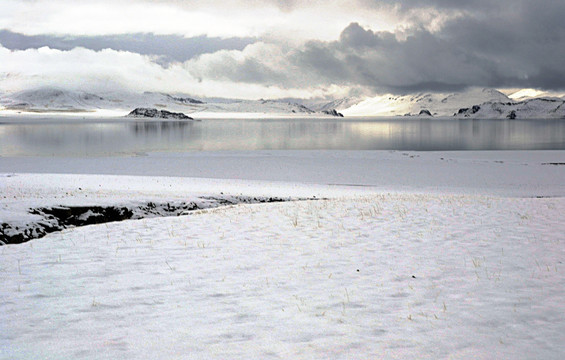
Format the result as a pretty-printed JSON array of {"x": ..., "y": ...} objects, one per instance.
[{"x": 275, "y": 48}]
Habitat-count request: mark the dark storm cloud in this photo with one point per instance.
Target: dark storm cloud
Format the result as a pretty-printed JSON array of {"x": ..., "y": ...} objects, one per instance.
[
  {"x": 379, "y": 60},
  {"x": 168, "y": 47},
  {"x": 522, "y": 46},
  {"x": 509, "y": 44}
]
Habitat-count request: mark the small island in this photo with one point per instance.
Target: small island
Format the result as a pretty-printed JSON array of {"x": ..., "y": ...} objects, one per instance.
[{"x": 159, "y": 114}]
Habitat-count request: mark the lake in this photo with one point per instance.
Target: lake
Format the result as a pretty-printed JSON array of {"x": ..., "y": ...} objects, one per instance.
[{"x": 93, "y": 137}]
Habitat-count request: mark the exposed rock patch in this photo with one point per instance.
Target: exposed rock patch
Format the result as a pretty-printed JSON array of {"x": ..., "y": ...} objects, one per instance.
[
  {"x": 159, "y": 114},
  {"x": 469, "y": 111},
  {"x": 184, "y": 100},
  {"x": 57, "y": 218},
  {"x": 332, "y": 112}
]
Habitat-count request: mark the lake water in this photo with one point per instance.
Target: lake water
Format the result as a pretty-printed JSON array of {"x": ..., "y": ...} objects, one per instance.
[{"x": 123, "y": 137}]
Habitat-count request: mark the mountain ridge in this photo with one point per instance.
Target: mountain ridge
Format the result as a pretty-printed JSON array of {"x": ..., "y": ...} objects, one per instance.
[
  {"x": 472, "y": 103},
  {"x": 49, "y": 99}
]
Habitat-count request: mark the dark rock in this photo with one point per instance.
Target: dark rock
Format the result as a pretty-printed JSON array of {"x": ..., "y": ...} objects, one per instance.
[
  {"x": 512, "y": 115},
  {"x": 425, "y": 112},
  {"x": 185, "y": 100},
  {"x": 469, "y": 111},
  {"x": 159, "y": 114},
  {"x": 57, "y": 218},
  {"x": 332, "y": 112}
]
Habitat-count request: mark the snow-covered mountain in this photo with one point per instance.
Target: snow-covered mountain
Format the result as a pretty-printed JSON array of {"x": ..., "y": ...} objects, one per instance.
[
  {"x": 59, "y": 100},
  {"x": 55, "y": 100},
  {"x": 52, "y": 99},
  {"x": 473, "y": 103},
  {"x": 338, "y": 104},
  {"x": 438, "y": 104},
  {"x": 256, "y": 107},
  {"x": 549, "y": 108},
  {"x": 527, "y": 94}
]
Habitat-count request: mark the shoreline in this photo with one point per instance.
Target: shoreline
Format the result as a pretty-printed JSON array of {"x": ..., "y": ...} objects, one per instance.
[{"x": 507, "y": 173}]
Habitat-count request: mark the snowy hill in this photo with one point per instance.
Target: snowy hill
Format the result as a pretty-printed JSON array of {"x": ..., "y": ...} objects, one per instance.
[
  {"x": 120, "y": 103},
  {"x": 257, "y": 107},
  {"x": 57, "y": 100},
  {"x": 44, "y": 99},
  {"x": 527, "y": 94},
  {"x": 338, "y": 104},
  {"x": 438, "y": 104},
  {"x": 473, "y": 103},
  {"x": 550, "y": 108}
]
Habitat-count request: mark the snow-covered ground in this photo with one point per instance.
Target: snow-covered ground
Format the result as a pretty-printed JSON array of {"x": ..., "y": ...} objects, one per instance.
[{"x": 410, "y": 256}]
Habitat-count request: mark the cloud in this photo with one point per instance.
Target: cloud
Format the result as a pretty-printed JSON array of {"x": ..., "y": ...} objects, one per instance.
[
  {"x": 110, "y": 70},
  {"x": 383, "y": 62},
  {"x": 258, "y": 18},
  {"x": 83, "y": 68},
  {"x": 432, "y": 45},
  {"x": 522, "y": 46},
  {"x": 110, "y": 17},
  {"x": 259, "y": 63},
  {"x": 169, "y": 47}
]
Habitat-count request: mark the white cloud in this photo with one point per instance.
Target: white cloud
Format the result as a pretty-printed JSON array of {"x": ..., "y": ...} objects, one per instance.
[
  {"x": 426, "y": 45},
  {"x": 108, "y": 70},
  {"x": 310, "y": 20},
  {"x": 118, "y": 17}
]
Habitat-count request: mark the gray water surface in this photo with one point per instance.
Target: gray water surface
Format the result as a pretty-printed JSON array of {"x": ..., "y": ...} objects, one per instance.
[{"x": 125, "y": 137}]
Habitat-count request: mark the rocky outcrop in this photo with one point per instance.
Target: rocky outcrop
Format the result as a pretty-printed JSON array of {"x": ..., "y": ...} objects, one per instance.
[
  {"x": 159, "y": 114},
  {"x": 536, "y": 108},
  {"x": 183, "y": 100},
  {"x": 468, "y": 112},
  {"x": 332, "y": 112},
  {"x": 57, "y": 218},
  {"x": 425, "y": 113}
]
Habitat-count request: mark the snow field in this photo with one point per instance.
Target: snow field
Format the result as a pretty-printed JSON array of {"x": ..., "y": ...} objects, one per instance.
[{"x": 403, "y": 276}]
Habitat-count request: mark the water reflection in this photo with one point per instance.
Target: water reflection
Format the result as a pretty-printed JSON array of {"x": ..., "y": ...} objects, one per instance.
[{"x": 119, "y": 138}]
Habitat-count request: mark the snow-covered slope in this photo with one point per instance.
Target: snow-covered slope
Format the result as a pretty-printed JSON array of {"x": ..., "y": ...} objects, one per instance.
[
  {"x": 527, "y": 94},
  {"x": 437, "y": 104},
  {"x": 121, "y": 103},
  {"x": 256, "y": 107},
  {"x": 45, "y": 99},
  {"x": 338, "y": 104},
  {"x": 55, "y": 100},
  {"x": 474, "y": 103},
  {"x": 549, "y": 108}
]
